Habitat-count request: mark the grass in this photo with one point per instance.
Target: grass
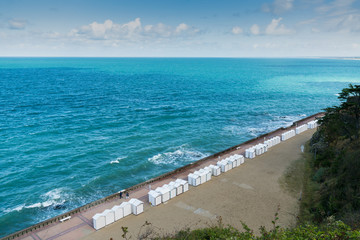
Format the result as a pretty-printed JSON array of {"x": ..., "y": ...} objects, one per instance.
[{"x": 297, "y": 180}]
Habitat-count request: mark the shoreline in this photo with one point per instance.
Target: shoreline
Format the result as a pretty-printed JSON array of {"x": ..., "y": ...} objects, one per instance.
[{"x": 84, "y": 213}]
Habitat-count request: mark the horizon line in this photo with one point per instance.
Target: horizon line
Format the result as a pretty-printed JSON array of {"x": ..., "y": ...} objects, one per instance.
[{"x": 295, "y": 57}]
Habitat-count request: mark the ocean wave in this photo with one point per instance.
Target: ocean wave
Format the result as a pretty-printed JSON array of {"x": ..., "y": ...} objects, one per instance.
[
  {"x": 118, "y": 160},
  {"x": 256, "y": 131},
  {"x": 54, "y": 197},
  {"x": 15, "y": 209},
  {"x": 180, "y": 155},
  {"x": 234, "y": 130},
  {"x": 266, "y": 126}
]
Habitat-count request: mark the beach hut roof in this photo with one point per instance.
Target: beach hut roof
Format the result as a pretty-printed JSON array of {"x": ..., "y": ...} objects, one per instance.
[
  {"x": 135, "y": 202},
  {"x": 124, "y": 204},
  {"x": 115, "y": 207},
  {"x": 162, "y": 190},
  {"x": 97, "y": 216}
]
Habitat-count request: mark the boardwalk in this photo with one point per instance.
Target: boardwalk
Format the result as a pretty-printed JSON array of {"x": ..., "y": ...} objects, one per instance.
[{"x": 250, "y": 193}]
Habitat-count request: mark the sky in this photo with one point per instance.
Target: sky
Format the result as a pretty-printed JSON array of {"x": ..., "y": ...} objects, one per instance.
[{"x": 174, "y": 28}]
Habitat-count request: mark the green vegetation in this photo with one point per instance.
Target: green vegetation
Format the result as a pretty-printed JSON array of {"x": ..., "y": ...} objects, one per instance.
[
  {"x": 336, "y": 161},
  {"x": 331, "y": 230},
  {"x": 336, "y": 230}
]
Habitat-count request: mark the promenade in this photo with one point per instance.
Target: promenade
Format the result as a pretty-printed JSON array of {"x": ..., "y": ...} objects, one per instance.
[{"x": 249, "y": 193}]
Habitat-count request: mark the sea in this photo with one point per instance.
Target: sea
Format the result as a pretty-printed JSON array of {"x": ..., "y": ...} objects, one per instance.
[{"x": 73, "y": 130}]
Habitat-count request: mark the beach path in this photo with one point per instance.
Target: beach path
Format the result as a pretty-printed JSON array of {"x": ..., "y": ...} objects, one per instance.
[{"x": 249, "y": 193}]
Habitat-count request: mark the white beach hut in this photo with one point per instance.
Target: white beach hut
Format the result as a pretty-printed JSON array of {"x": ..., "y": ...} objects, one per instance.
[
  {"x": 286, "y": 135},
  {"x": 301, "y": 129},
  {"x": 154, "y": 198},
  {"x": 250, "y": 152},
  {"x": 137, "y": 206},
  {"x": 126, "y": 208},
  {"x": 202, "y": 176},
  {"x": 178, "y": 186},
  {"x": 99, "y": 221},
  {"x": 118, "y": 212},
  {"x": 236, "y": 160},
  {"x": 165, "y": 193},
  {"x": 172, "y": 190},
  {"x": 223, "y": 165},
  {"x": 269, "y": 143},
  {"x": 194, "y": 179},
  {"x": 240, "y": 159},
  {"x": 216, "y": 170},
  {"x": 109, "y": 216},
  {"x": 312, "y": 124},
  {"x": 210, "y": 170},
  {"x": 207, "y": 173},
  {"x": 184, "y": 184},
  {"x": 233, "y": 162},
  {"x": 260, "y": 149},
  {"x": 230, "y": 164}
]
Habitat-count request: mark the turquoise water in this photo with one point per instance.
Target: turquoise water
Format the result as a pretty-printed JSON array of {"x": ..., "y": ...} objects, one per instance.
[{"x": 73, "y": 130}]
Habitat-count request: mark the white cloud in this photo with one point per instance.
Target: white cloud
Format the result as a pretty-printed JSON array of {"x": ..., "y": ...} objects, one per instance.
[
  {"x": 275, "y": 28},
  {"x": 237, "y": 30},
  {"x": 349, "y": 23},
  {"x": 131, "y": 31},
  {"x": 255, "y": 30},
  {"x": 278, "y": 6},
  {"x": 308, "y": 21},
  {"x": 52, "y": 35},
  {"x": 281, "y": 6},
  {"x": 160, "y": 30},
  {"x": 181, "y": 27},
  {"x": 338, "y": 16},
  {"x": 266, "y": 8},
  {"x": 335, "y": 5},
  {"x": 16, "y": 24}
]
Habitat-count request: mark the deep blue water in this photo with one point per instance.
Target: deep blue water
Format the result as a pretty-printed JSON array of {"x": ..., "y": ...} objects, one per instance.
[{"x": 73, "y": 130}]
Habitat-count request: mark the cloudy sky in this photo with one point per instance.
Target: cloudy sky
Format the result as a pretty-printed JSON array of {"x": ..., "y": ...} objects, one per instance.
[{"x": 180, "y": 28}]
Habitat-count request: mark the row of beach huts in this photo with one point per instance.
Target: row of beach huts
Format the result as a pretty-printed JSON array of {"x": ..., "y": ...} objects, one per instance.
[{"x": 174, "y": 188}]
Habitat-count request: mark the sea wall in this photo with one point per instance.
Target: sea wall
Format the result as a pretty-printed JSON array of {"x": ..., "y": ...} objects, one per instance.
[{"x": 56, "y": 219}]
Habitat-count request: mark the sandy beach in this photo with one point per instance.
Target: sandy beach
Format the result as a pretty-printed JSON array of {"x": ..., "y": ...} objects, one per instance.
[{"x": 249, "y": 193}]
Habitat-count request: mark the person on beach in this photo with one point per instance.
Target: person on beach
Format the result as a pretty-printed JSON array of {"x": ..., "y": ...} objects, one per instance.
[
  {"x": 127, "y": 195},
  {"x": 121, "y": 193}
]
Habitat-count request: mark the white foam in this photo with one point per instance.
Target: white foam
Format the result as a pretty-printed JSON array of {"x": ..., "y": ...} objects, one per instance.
[
  {"x": 17, "y": 209},
  {"x": 54, "y": 194},
  {"x": 53, "y": 197},
  {"x": 117, "y": 160},
  {"x": 35, "y": 205},
  {"x": 256, "y": 131},
  {"x": 234, "y": 130},
  {"x": 180, "y": 155},
  {"x": 267, "y": 125}
]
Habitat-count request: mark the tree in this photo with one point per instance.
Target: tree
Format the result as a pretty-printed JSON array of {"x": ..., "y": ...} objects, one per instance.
[{"x": 344, "y": 120}]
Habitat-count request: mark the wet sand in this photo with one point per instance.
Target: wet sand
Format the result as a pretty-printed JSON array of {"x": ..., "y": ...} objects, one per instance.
[{"x": 250, "y": 193}]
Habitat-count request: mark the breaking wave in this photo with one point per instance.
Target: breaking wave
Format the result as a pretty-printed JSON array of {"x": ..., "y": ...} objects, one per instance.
[
  {"x": 262, "y": 127},
  {"x": 118, "y": 160},
  {"x": 52, "y": 198},
  {"x": 180, "y": 155}
]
